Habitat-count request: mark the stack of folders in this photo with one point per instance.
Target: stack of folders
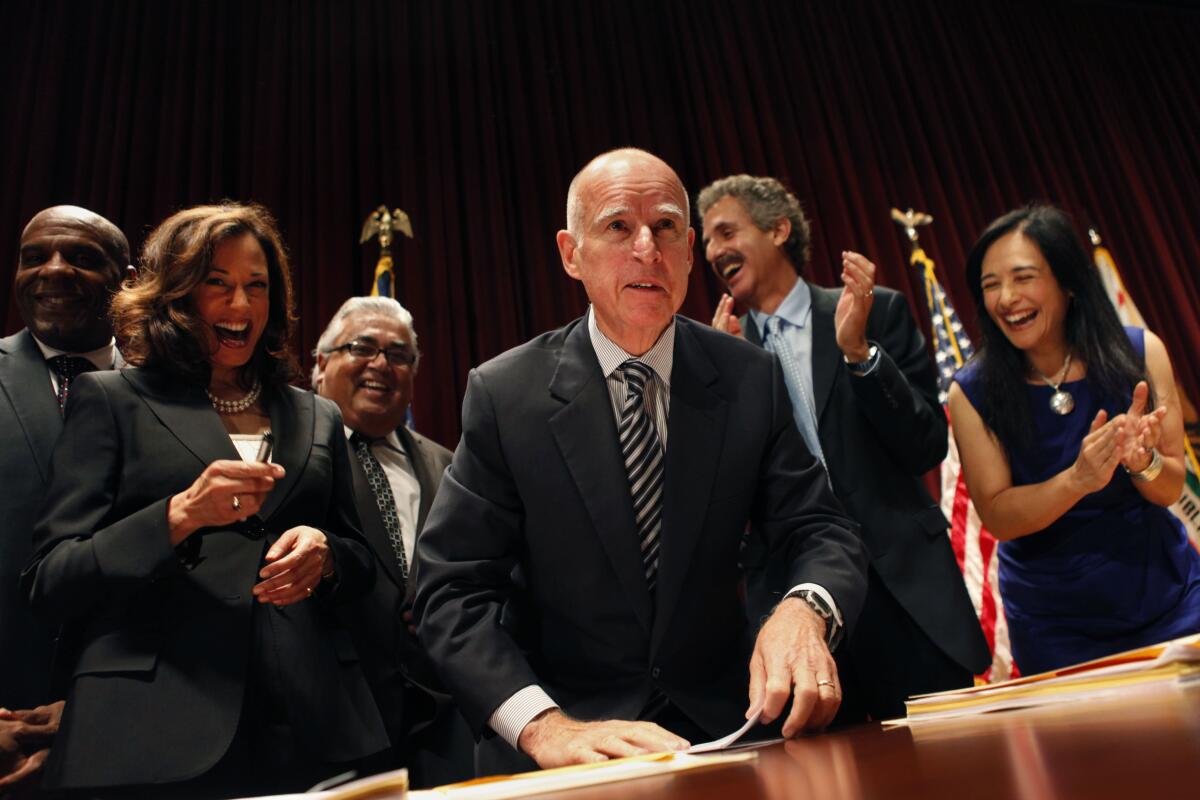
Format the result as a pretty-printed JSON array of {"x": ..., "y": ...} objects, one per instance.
[{"x": 1172, "y": 663}]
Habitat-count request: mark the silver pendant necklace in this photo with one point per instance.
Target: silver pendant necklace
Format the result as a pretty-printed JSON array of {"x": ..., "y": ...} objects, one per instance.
[{"x": 1061, "y": 402}]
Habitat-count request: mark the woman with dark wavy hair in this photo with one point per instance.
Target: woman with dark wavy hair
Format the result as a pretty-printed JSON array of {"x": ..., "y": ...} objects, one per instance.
[
  {"x": 196, "y": 577},
  {"x": 1071, "y": 438}
]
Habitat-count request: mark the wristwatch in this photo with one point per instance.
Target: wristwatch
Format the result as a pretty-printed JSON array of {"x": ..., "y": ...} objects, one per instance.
[
  {"x": 861, "y": 368},
  {"x": 833, "y": 630}
]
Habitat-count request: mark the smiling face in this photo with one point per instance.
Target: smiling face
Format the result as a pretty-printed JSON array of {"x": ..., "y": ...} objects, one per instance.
[
  {"x": 631, "y": 247},
  {"x": 66, "y": 275},
  {"x": 1022, "y": 295},
  {"x": 372, "y": 393},
  {"x": 750, "y": 262},
  {"x": 233, "y": 301}
]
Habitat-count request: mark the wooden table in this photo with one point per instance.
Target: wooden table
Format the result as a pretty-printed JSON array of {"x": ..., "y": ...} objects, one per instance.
[{"x": 1142, "y": 746}]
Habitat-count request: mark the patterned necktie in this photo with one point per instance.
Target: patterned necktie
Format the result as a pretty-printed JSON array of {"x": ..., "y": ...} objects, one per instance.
[
  {"x": 802, "y": 405},
  {"x": 643, "y": 455},
  {"x": 68, "y": 368},
  {"x": 384, "y": 500}
]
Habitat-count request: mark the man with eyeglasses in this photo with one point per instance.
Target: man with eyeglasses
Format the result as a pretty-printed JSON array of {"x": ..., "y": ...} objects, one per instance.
[{"x": 366, "y": 361}]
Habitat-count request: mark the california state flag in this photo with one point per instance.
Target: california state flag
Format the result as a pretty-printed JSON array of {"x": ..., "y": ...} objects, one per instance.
[{"x": 1188, "y": 507}]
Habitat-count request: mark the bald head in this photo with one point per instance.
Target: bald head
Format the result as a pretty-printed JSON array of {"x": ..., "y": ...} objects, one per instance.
[
  {"x": 630, "y": 244},
  {"x": 629, "y": 160},
  {"x": 70, "y": 263},
  {"x": 107, "y": 235}
]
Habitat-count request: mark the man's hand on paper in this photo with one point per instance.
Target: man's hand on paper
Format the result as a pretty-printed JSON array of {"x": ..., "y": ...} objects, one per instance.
[
  {"x": 555, "y": 740},
  {"x": 790, "y": 659}
]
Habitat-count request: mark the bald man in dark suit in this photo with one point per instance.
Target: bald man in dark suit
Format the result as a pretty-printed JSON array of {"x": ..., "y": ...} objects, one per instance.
[{"x": 71, "y": 261}]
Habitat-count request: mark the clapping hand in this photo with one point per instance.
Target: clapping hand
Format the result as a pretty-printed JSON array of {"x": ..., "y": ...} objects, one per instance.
[
  {"x": 1144, "y": 430},
  {"x": 1100, "y": 452},
  {"x": 724, "y": 319},
  {"x": 854, "y": 306}
]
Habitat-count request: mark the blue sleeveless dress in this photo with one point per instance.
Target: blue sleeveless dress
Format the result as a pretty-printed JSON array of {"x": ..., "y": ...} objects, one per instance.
[{"x": 1113, "y": 573}]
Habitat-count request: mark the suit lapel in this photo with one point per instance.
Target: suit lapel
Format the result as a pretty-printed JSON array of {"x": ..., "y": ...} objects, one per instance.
[
  {"x": 695, "y": 430},
  {"x": 586, "y": 434},
  {"x": 24, "y": 378},
  {"x": 826, "y": 356},
  {"x": 292, "y": 420},
  {"x": 421, "y": 468},
  {"x": 186, "y": 412}
]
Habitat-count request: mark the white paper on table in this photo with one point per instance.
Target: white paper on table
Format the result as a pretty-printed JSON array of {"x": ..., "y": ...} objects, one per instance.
[{"x": 725, "y": 741}]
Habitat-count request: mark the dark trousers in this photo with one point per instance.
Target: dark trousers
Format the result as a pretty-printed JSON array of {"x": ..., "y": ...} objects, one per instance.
[{"x": 888, "y": 659}]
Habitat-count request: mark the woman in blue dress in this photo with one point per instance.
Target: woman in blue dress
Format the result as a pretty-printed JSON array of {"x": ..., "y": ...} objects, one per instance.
[{"x": 1071, "y": 438}]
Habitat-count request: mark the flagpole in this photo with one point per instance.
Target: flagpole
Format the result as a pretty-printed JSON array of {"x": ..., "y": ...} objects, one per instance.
[{"x": 974, "y": 548}]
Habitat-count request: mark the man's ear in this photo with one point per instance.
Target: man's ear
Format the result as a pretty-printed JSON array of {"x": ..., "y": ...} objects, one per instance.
[
  {"x": 319, "y": 372},
  {"x": 568, "y": 250},
  {"x": 780, "y": 231}
]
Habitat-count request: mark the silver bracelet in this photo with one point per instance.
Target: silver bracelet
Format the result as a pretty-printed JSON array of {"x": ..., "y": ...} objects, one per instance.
[{"x": 1151, "y": 471}]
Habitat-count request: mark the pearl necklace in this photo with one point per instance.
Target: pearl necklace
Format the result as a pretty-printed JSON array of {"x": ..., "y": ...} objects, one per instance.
[{"x": 229, "y": 407}]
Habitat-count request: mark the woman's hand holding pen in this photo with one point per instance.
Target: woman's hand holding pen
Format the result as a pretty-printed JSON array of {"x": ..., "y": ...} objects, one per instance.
[{"x": 225, "y": 493}]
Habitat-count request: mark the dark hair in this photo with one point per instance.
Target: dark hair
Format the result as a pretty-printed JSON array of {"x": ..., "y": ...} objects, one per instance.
[
  {"x": 1093, "y": 331},
  {"x": 155, "y": 317},
  {"x": 767, "y": 201}
]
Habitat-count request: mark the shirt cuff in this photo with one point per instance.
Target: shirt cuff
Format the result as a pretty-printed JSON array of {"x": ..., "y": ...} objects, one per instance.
[
  {"x": 518, "y": 711},
  {"x": 820, "y": 591}
]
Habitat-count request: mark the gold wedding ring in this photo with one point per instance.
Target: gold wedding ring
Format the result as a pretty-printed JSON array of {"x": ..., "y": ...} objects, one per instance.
[
  {"x": 237, "y": 504},
  {"x": 824, "y": 683}
]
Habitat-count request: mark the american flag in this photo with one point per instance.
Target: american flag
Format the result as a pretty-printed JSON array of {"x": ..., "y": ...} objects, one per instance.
[{"x": 974, "y": 547}]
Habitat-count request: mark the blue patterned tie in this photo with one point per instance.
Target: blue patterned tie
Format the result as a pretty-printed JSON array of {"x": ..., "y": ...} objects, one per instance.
[
  {"x": 643, "y": 455},
  {"x": 803, "y": 408},
  {"x": 68, "y": 368},
  {"x": 384, "y": 499}
]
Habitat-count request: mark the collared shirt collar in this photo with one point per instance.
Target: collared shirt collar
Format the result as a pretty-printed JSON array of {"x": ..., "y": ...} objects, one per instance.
[
  {"x": 660, "y": 357},
  {"x": 102, "y": 357},
  {"x": 392, "y": 440},
  {"x": 796, "y": 308}
]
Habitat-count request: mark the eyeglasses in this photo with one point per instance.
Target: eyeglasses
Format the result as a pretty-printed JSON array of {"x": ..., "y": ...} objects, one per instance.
[{"x": 396, "y": 356}]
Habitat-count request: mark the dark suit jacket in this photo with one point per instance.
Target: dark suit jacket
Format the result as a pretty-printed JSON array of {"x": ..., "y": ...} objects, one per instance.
[
  {"x": 29, "y": 427},
  {"x": 164, "y": 633},
  {"x": 538, "y": 481},
  {"x": 405, "y": 685},
  {"x": 880, "y": 434}
]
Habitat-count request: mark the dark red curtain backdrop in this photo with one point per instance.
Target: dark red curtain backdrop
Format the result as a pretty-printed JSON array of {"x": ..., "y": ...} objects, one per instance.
[{"x": 473, "y": 116}]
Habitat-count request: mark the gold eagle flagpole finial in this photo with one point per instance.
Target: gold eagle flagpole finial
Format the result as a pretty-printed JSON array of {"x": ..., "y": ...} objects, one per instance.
[
  {"x": 382, "y": 223},
  {"x": 911, "y": 220}
]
